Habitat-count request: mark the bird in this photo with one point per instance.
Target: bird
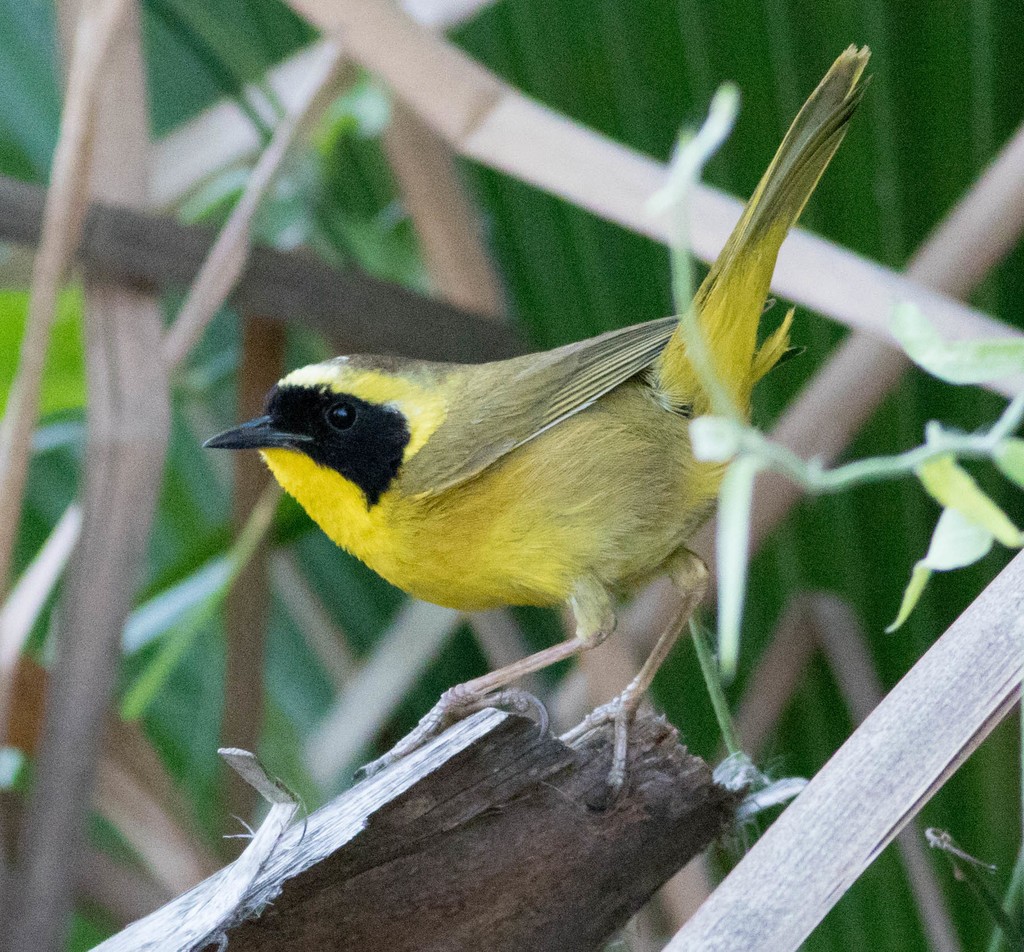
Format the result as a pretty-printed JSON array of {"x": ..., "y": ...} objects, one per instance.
[{"x": 564, "y": 477}]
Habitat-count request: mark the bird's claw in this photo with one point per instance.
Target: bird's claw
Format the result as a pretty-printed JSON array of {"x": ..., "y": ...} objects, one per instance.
[
  {"x": 620, "y": 713},
  {"x": 454, "y": 705}
]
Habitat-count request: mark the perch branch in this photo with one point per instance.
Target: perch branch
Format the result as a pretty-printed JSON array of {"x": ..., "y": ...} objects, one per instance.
[{"x": 483, "y": 839}]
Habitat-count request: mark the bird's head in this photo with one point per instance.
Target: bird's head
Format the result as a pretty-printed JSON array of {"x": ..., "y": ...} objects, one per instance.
[{"x": 359, "y": 418}]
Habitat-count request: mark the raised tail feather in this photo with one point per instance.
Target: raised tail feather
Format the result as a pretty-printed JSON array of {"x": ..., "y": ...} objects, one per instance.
[{"x": 731, "y": 299}]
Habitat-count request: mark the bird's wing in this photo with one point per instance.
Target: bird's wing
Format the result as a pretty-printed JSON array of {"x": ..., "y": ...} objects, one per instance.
[{"x": 494, "y": 408}]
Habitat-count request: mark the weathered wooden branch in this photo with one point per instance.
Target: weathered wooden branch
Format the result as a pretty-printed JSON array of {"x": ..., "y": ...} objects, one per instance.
[
  {"x": 369, "y": 315},
  {"x": 491, "y": 837}
]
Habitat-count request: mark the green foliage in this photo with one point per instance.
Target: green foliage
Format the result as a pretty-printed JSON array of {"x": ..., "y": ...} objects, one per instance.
[
  {"x": 64, "y": 379},
  {"x": 971, "y": 519}
]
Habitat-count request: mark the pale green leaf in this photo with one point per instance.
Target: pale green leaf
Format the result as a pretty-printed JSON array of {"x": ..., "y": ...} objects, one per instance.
[
  {"x": 198, "y": 607},
  {"x": 911, "y": 595},
  {"x": 170, "y": 607},
  {"x": 956, "y": 542},
  {"x": 731, "y": 544},
  {"x": 952, "y": 486},
  {"x": 960, "y": 361},
  {"x": 1009, "y": 457}
]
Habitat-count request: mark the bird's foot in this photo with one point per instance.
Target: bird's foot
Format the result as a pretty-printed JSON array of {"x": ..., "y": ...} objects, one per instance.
[
  {"x": 620, "y": 713},
  {"x": 456, "y": 704}
]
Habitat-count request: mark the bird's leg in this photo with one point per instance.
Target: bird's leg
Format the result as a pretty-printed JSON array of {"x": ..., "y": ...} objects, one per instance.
[
  {"x": 690, "y": 575},
  {"x": 595, "y": 621}
]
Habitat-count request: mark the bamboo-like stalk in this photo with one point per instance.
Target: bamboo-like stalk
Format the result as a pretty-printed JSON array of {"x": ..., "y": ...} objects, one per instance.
[
  {"x": 64, "y": 214},
  {"x": 136, "y": 795},
  {"x": 374, "y": 315},
  {"x": 445, "y": 222},
  {"x": 877, "y": 781},
  {"x": 128, "y": 419},
  {"x": 839, "y": 635},
  {"x": 247, "y": 607}
]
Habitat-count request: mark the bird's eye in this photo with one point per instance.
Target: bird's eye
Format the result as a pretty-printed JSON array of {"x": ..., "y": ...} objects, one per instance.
[{"x": 341, "y": 416}]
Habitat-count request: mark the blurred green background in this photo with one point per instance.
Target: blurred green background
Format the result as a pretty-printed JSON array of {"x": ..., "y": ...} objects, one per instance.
[{"x": 947, "y": 91}]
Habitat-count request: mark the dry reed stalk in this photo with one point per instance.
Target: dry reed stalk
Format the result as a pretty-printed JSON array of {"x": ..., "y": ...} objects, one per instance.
[
  {"x": 227, "y": 258},
  {"x": 247, "y": 608},
  {"x": 66, "y": 202},
  {"x": 137, "y": 796},
  {"x": 876, "y": 782},
  {"x": 328, "y": 642},
  {"x": 446, "y": 224},
  {"x": 128, "y": 418}
]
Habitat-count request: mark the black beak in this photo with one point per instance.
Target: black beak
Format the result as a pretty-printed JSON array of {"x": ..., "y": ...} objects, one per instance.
[{"x": 258, "y": 434}]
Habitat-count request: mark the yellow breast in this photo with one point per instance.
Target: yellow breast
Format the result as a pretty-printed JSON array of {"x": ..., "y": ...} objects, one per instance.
[{"x": 609, "y": 493}]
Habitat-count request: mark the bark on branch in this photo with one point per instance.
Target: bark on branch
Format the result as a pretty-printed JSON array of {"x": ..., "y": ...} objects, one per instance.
[{"x": 488, "y": 838}]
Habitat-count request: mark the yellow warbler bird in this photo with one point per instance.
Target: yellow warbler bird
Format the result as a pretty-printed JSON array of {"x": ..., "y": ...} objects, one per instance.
[{"x": 563, "y": 476}]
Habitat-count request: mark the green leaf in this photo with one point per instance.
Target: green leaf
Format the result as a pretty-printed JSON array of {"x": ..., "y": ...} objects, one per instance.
[
  {"x": 144, "y": 689},
  {"x": 1009, "y": 457},
  {"x": 961, "y": 361},
  {"x": 952, "y": 486},
  {"x": 731, "y": 545},
  {"x": 64, "y": 378},
  {"x": 171, "y": 606},
  {"x": 956, "y": 542}
]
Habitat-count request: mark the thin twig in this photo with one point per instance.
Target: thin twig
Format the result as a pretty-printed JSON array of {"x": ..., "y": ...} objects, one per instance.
[
  {"x": 968, "y": 869},
  {"x": 227, "y": 258}
]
